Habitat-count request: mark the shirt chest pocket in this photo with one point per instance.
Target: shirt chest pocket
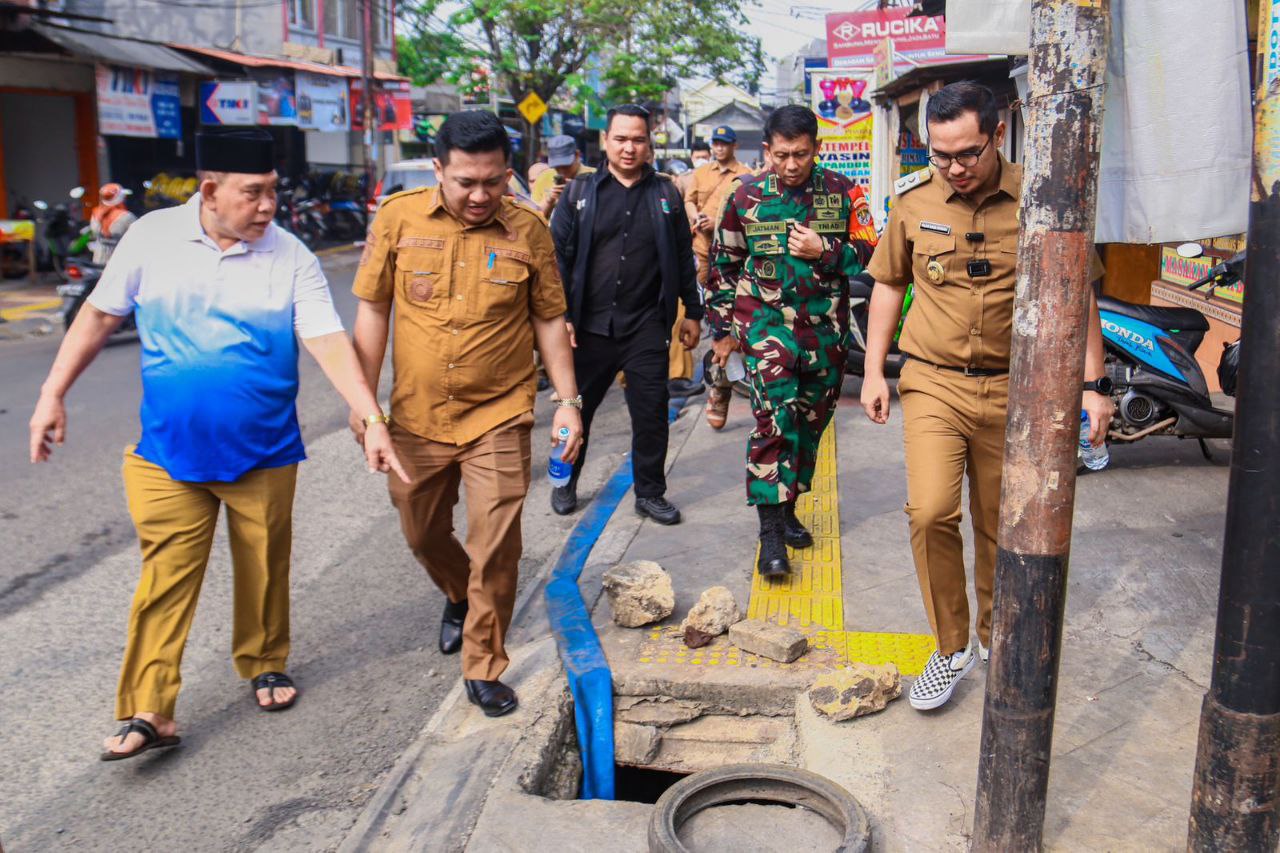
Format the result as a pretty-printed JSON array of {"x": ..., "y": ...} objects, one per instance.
[
  {"x": 503, "y": 282},
  {"x": 934, "y": 260},
  {"x": 422, "y": 272}
]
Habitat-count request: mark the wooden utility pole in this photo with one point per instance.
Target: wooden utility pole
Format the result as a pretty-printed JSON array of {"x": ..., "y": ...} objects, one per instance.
[
  {"x": 368, "y": 102},
  {"x": 1235, "y": 802},
  {"x": 1059, "y": 196}
]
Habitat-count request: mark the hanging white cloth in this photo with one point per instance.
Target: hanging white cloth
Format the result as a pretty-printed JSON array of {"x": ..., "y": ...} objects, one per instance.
[{"x": 1177, "y": 124}]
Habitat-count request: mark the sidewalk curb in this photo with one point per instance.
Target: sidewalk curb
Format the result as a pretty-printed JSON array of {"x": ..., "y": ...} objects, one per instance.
[{"x": 468, "y": 783}]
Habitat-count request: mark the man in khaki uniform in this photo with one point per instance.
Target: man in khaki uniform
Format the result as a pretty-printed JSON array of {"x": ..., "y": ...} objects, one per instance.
[
  {"x": 473, "y": 280},
  {"x": 953, "y": 230},
  {"x": 704, "y": 202}
]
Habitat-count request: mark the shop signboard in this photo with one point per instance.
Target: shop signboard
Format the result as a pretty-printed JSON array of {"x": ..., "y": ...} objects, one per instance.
[
  {"x": 837, "y": 98},
  {"x": 231, "y": 102},
  {"x": 392, "y": 105},
  {"x": 138, "y": 102},
  {"x": 852, "y": 37},
  {"x": 277, "y": 97},
  {"x": 322, "y": 102}
]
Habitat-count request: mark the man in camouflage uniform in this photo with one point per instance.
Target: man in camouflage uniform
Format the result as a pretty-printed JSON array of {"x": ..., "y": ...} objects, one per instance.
[{"x": 779, "y": 292}]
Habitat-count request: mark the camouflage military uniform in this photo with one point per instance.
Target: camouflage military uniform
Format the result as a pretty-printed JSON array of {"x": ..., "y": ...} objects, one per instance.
[{"x": 791, "y": 317}]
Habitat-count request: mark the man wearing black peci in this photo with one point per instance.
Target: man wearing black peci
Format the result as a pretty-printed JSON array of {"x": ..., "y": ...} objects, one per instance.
[{"x": 626, "y": 257}]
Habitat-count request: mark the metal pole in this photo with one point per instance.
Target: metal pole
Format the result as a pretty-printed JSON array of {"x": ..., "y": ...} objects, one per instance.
[
  {"x": 1067, "y": 65},
  {"x": 1235, "y": 802},
  {"x": 370, "y": 112}
]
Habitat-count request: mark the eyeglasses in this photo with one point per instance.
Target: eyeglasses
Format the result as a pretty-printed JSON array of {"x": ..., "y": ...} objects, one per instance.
[{"x": 964, "y": 158}]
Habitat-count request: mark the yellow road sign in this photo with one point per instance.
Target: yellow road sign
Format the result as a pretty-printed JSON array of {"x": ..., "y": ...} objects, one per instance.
[{"x": 532, "y": 107}]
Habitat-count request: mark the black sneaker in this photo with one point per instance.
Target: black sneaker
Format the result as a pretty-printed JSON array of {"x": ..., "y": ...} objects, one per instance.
[
  {"x": 564, "y": 499},
  {"x": 684, "y": 388},
  {"x": 659, "y": 509}
]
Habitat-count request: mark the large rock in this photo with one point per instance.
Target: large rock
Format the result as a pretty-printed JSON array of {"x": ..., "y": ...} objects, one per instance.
[
  {"x": 855, "y": 691},
  {"x": 715, "y": 611},
  {"x": 768, "y": 640},
  {"x": 640, "y": 592}
]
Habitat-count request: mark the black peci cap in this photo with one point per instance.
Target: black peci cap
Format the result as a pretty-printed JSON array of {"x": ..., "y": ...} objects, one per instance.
[{"x": 249, "y": 150}]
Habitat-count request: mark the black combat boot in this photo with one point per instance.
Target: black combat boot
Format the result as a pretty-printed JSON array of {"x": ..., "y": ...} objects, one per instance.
[
  {"x": 795, "y": 533},
  {"x": 773, "y": 561}
]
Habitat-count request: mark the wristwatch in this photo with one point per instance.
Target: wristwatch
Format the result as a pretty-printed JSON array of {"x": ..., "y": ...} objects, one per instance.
[
  {"x": 379, "y": 418},
  {"x": 1103, "y": 385},
  {"x": 570, "y": 402}
]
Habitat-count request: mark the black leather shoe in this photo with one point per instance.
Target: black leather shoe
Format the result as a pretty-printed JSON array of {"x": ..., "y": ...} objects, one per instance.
[
  {"x": 773, "y": 562},
  {"x": 659, "y": 509},
  {"x": 564, "y": 499},
  {"x": 684, "y": 388},
  {"x": 451, "y": 626},
  {"x": 493, "y": 697},
  {"x": 793, "y": 532}
]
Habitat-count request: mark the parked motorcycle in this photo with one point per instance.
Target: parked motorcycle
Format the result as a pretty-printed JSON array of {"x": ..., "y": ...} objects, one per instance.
[
  {"x": 82, "y": 278},
  {"x": 300, "y": 213},
  {"x": 1156, "y": 383},
  {"x": 860, "y": 287},
  {"x": 65, "y": 233}
]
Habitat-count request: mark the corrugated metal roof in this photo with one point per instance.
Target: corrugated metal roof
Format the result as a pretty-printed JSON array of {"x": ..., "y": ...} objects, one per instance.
[
  {"x": 120, "y": 51},
  {"x": 273, "y": 62}
]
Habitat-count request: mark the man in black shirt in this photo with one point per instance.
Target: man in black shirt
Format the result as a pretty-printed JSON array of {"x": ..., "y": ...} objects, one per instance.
[{"x": 626, "y": 256}]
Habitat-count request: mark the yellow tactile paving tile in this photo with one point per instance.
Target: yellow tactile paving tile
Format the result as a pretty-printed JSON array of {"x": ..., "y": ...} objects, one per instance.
[
  {"x": 810, "y": 599},
  {"x": 827, "y": 649}
]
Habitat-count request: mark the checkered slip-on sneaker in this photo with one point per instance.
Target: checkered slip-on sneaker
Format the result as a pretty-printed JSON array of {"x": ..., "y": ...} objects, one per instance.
[{"x": 933, "y": 688}]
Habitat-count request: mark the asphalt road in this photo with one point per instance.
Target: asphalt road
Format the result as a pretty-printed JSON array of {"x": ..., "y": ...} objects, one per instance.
[{"x": 364, "y": 624}]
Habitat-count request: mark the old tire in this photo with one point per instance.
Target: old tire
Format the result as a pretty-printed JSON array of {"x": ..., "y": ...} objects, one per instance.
[{"x": 757, "y": 783}]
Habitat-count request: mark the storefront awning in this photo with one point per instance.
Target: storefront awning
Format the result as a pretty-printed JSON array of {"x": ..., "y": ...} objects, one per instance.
[
  {"x": 296, "y": 64},
  {"x": 120, "y": 51}
]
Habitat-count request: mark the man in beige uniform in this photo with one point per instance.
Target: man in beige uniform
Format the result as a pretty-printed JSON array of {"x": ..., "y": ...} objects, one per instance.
[
  {"x": 953, "y": 230},
  {"x": 709, "y": 189},
  {"x": 472, "y": 277}
]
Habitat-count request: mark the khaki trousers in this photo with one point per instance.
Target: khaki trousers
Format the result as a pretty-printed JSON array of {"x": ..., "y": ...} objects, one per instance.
[
  {"x": 679, "y": 360},
  {"x": 495, "y": 470},
  {"x": 175, "y": 523},
  {"x": 952, "y": 424}
]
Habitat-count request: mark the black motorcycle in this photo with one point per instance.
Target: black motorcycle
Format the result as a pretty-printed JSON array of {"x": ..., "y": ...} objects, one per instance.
[
  {"x": 82, "y": 278},
  {"x": 860, "y": 287}
]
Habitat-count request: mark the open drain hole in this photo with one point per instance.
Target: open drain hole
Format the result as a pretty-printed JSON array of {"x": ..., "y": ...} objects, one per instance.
[
  {"x": 641, "y": 784},
  {"x": 736, "y": 796}
]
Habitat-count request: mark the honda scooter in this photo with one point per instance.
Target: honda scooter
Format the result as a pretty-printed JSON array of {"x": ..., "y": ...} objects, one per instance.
[
  {"x": 82, "y": 278},
  {"x": 1151, "y": 370}
]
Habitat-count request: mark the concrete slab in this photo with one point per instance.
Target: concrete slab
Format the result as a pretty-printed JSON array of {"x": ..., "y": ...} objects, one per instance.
[{"x": 1136, "y": 655}]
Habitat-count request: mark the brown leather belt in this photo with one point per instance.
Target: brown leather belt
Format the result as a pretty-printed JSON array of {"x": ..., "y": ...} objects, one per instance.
[{"x": 967, "y": 371}]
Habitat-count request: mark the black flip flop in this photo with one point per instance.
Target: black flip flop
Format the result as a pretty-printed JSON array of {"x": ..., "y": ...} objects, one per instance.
[
  {"x": 269, "y": 681},
  {"x": 150, "y": 740}
]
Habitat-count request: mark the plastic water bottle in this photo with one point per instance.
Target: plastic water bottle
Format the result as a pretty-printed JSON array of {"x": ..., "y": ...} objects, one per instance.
[
  {"x": 559, "y": 471},
  {"x": 736, "y": 369},
  {"x": 1094, "y": 458}
]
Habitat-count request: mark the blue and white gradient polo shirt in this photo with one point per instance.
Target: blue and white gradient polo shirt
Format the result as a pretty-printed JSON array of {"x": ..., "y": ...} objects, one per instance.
[{"x": 219, "y": 352}]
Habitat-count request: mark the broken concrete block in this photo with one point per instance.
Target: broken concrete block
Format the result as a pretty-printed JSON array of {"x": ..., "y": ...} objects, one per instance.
[
  {"x": 768, "y": 640},
  {"x": 640, "y": 592},
  {"x": 855, "y": 691},
  {"x": 634, "y": 744},
  {"x": 695, "y": 639},
  {"x": 661, "y": 711},
  {"x": 715, "y": 611}
]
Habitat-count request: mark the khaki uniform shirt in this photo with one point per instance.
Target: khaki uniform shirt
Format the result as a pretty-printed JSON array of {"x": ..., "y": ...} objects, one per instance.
[
  {"x": 545, "y": 182},
  {"x": 464, "y": 296},
  {"x": 955, "y": 319},
  {"x": 708, "y": 191}
]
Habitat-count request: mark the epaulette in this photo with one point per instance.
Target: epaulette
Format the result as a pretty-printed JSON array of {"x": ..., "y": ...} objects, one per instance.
[
  {"x": 909, "y": 182},
  {"x": 404, "y": 194}
]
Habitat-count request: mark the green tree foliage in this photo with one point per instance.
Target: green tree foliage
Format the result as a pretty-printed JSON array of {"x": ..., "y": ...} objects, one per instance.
[{"x": 545, "y": 46}]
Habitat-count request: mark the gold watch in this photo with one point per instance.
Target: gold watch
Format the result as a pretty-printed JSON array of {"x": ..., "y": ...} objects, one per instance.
[{"x": 379, "y": 418}]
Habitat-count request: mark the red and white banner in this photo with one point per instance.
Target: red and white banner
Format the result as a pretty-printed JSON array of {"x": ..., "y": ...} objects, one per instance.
[{"x": 852, "y": 37}]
